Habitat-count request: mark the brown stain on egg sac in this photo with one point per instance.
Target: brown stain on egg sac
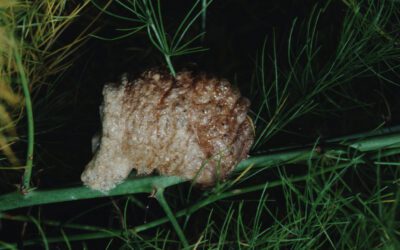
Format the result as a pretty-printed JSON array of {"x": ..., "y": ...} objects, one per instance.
[{"x": 192, "y": 126}]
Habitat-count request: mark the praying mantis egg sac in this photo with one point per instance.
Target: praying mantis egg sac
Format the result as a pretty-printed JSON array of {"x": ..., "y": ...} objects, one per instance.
[{"x": 193, "y": 126}]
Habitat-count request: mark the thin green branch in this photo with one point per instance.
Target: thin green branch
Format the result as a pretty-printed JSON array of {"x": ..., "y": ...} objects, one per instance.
[
  {"x": 4, "y": 245},
  {"x": 54, "y": 223},
  {"x": 354, "y": 6},
  {"x": 164, "y": 204},
  {"x": 30, "y": 122},
  {"x": 41, "y": 232},
  {"x": 149, "y": 15},
  {"x": 170, "y": 66}
]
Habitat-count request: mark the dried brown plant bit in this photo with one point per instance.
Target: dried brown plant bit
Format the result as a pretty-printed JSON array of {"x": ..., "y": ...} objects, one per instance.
[{"x": 193, "y": 126}]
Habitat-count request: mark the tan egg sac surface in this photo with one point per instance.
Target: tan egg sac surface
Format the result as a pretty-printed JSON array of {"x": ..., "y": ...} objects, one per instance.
[{"x": 193, "y": 126}]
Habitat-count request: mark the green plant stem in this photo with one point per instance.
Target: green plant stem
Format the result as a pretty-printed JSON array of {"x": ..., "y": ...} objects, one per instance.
[
  {"x": 170, "y": 66},
  {"x": 356, "y": 10},
  {"x": 38, "y": 197},
  {"x": 211, "y": 199},
  {"x": 363, "y": 142},
  {"x": 7, "y": 246},
  {"x": 164, "y": 204},
  {"x": 204, "y": 6},
  {"x": 54, "y": 223},
  {"x": 390, "y": 143},
  {"x": 50, "y": 240},
  {"x": 30, "y": 121}
]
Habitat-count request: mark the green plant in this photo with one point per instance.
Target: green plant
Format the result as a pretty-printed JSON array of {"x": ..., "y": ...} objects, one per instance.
[
  {"x": 29, "y": 56},
  {"x": 147, "y": 16}
]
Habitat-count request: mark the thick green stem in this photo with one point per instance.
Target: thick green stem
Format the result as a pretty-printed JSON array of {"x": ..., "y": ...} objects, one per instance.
[
  {"x": 30, "y": 122},
  {"x": 387, "y": 143},
  {"x": 39, "y": 197},
  {"x": 372, "y": 142},
  {"x": 211, "y": 199},
  {"x": 164, "y": 204}
]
